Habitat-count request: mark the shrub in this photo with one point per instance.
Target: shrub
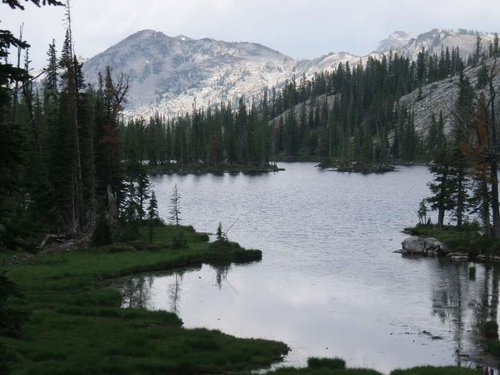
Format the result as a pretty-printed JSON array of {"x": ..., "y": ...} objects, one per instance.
[
  {"x": 102, "y": 233},
  {"x": 330, "y": 363},
  {"x": 490, "y": 329},
  {"x": 179, "y": 240}
]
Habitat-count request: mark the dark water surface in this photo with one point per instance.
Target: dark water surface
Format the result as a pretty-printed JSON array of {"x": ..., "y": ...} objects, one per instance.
[{"x": 329, "y": 283}]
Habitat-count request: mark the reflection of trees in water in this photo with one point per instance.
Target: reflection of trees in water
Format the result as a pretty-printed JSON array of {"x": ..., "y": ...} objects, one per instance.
[
  {"x": 136, "y": 291},
  {"x": 221, "y": 272},
  {"x": 174, "y": 293},
  {"x": 465, "y": 304}
]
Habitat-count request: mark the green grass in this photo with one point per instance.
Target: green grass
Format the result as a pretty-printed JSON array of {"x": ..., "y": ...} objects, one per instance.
[
  {"x": 77, "y": 326},
  {"x": 322, "y": 371},
  {"x": 330, "y": 363},
  {"x": 428, "y": 370},
  {"x": 466, "y": 238},
  {"x": 323, "y": 366},
  {"x": 336, "y": 366}
]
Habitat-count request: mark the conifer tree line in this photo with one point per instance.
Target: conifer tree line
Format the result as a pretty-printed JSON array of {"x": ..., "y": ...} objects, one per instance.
[
  {"x": 465, "y": 165},
  {"x": 213, "y": 136},
  {"x": 60, "y": 164},
  {"x": 360, "y": 120}
]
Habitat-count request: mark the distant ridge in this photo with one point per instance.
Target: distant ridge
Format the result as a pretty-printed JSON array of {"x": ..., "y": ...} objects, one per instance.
[{"x": 168, "y": 74}]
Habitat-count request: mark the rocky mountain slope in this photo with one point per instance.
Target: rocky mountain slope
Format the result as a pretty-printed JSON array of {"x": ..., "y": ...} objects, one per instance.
[
  {"x": 433, "y": 41},
  {"x": 441, "y": 96},
  {"x": 168, "y": 74}
]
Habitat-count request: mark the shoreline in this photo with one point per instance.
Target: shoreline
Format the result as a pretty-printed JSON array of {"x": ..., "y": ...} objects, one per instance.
[
  {"x": 212, "y": 169},
  {"x": 70, "y": 301},
  {"x": 77, "y": 320}
]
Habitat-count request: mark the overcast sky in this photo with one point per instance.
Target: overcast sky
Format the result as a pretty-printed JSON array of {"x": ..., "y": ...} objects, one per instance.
[{"x": 298, "y": 28}]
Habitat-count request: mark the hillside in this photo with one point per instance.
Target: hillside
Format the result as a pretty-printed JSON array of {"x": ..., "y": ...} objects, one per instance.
[
  {"x": 441, "y": 96},
  {"x": 168, "y": 74}
]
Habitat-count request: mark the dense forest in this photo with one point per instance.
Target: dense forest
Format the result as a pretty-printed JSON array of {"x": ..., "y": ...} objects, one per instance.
[
  {"x": 70, "y": 162},
  {"x": 350, "y": 114},
  {"x": 61, "y": 169},
  {"x": 73, "y": 171}
]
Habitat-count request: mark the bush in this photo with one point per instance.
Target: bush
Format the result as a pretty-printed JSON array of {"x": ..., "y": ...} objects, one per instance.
[
  {"x": 117, "y": 248},
  {"x": 493, "y": 347},
  {"x": 490, "y": 329},
  {"x": 143, "y": 245},
  {"x": 330, "y": 363},
  {"x": 179, "y": 240},
  {"x": 203, "y": 237},
  {"x": 102, "y": 233},
  {"x": 10, "y": 318}
]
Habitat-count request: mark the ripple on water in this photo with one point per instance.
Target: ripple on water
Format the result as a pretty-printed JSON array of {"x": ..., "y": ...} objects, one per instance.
[{"x": 329, "y": 284}]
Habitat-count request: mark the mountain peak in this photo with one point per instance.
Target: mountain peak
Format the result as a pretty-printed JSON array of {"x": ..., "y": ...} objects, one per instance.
[
  {"x": 183, "y": 38},
  {"x": 146, "y": 33},
  {"x": 394, "y": 41}
]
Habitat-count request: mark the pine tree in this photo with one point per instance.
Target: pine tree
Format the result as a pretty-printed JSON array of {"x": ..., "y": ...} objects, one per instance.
[
  {"x": 114, "y": 95},
  {"x": 152, "y": 216},
  {"x": 422, "y": 211},
  {"x": 441, "y": 186},
  {"x": 175, "y": 207},
  {"x": 459, "y": 181}
]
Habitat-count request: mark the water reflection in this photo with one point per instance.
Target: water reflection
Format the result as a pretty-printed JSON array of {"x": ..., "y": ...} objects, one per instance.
[
  {"x": 175, "y": 293},
  {"x": 221, "y": 272},
  {"x": 136, "y": 291},
  {"x": 464, "y": 303},
  {"x": 329, "y": 284},
  {"x": 308, "y": 318}
]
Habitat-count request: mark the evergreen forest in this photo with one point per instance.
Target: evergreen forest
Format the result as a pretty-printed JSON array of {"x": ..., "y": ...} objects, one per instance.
[{"x": 75, "y": 172}]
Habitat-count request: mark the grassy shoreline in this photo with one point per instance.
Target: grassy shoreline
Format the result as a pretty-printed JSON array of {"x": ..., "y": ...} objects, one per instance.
[
  {"x": 465, "y": 239},
  {"x": 77, "y": 325}
]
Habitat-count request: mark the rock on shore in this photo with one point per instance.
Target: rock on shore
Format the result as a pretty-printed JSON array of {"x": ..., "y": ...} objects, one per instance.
[{"x": 429, "y": 246}]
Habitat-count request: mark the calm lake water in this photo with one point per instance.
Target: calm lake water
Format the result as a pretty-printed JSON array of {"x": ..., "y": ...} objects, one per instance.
[{"x": 329, "y": 283}]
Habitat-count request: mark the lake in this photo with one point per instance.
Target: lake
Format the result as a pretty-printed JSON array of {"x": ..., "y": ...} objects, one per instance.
[{"x": 329, "y": 283}]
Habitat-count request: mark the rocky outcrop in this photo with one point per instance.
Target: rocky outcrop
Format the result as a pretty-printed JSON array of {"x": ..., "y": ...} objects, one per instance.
[
  {"x": 429, "y": 246},
  {"x": 441, "y": 96}
]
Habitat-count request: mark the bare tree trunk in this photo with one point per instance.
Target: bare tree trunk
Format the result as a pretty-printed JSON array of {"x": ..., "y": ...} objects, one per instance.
[
  {"x": 77, "y": 219},
  {"x": 112, "y": 207},
  {"x": 493, "y": 162},
  {"x": 16, "y": 87}
]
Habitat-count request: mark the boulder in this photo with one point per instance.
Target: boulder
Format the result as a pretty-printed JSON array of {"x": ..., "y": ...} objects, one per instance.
[
  {"x": 429, "y": 246},
  {"x": 413, "y": 246}
]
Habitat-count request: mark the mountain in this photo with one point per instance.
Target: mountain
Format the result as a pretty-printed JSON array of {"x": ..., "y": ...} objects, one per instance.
[
  {"x": 441, "y": 97},
  {"x": 433, "y": 41},
  {"x": 168, "y": 74}
]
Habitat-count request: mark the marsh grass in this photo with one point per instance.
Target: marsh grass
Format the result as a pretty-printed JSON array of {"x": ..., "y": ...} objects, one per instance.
[
  {"x": 331, "y": 363},
  {"x": 77, "y": 326},
  {"x": 428, "y": 370}
]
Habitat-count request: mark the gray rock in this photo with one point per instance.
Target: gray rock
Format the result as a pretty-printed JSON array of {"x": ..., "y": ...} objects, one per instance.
[
  {"x": 429, "y": 246},
  {"x": 413, "y": 245}
]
